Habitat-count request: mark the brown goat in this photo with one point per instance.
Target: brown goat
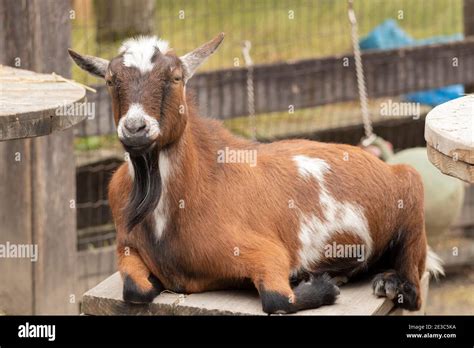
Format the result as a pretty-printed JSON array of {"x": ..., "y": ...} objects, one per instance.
[{"x": 197, "y": 208}]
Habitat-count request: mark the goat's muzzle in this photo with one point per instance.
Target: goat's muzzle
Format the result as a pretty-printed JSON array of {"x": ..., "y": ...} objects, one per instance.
[{"x": 138, "y": 134}]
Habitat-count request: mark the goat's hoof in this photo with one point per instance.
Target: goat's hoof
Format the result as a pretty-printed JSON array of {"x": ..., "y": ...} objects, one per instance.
[
  {"x": 134, "y": 294},
  {"x": 402, "y": 292},
  {"x": 318, "y": 291}
]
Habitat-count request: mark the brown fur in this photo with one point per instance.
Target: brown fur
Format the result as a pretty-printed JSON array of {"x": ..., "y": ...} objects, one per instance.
[
  {"x": 242, "y": 223},
  {"x": 234, "y": 205}
]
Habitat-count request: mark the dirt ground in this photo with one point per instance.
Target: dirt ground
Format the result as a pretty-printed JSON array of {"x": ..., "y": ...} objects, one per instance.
[{"x": 453, "y": 294}]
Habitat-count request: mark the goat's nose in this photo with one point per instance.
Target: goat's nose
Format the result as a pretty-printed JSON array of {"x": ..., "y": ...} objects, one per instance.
[{"x": 135, "y": 125}]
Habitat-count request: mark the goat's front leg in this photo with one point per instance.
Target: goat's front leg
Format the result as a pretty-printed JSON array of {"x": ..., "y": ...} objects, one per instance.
[{"x": 139, "y": 284}]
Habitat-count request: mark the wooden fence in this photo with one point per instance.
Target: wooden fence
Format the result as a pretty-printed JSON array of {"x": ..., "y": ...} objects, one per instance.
[{"x": 222, "y": 94}]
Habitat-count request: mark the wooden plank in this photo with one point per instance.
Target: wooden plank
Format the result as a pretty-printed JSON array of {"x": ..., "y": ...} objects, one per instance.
[
  {"x": 450, "y": 129},
  {"x": 449, "y": 166},
  {"x": 30, "y": 105},
  {"x": 37, "y": 34},
  {"x": 321, "y": 81},
  {"x": 449, "y": 134},
  {"x": 106, "y": 299},
  {"x": 16, "y": 288}
]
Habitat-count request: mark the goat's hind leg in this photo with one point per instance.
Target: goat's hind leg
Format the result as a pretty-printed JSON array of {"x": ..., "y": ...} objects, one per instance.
[
  {"x": 139, "y": 284},
  {"x": 402, "y": 283}
]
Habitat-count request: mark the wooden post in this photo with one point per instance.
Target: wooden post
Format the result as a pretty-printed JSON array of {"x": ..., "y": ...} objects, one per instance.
[
  {"x": 469, "y": 29},
  {"x": 117, "y": 21},
  {"x": 37, "y": 175}
]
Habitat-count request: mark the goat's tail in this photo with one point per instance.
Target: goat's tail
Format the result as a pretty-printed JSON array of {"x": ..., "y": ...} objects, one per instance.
[{"x": 434, "y": 264}]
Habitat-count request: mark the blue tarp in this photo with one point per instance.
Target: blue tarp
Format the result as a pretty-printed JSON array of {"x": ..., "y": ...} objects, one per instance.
[{"x": 389, "y": 35}]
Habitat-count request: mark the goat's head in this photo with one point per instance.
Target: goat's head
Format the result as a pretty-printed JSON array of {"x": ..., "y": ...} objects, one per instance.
[{"x": 146, "y": 82}]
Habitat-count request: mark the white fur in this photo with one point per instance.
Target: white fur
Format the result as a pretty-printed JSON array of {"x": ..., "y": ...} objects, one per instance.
[
  {"x": 161, "y": 211},
  {"x": 338, "y": 217},
  {"x": 434, "y": 264},
  {"x": 134, "y": 111},
  {"x": 131, "y": 170},
  {"x": 137, "y": 52}
]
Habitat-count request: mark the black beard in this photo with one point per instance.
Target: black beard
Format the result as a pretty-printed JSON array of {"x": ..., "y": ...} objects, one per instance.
[{"x": 146, "y": 190}]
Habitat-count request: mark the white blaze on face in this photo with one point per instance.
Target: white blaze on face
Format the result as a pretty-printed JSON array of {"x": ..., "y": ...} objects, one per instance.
[
  {"x": 136, "y": 111},
  {"x": 138, "y": 52},
  {"x": 338, "y": 217}
]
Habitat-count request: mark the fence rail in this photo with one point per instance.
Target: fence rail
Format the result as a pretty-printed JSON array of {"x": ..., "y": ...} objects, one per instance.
[{"x": 221, "y": 94}]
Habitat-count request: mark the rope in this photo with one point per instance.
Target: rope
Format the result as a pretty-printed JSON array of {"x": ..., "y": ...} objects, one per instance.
[
  {"x": 246, "y": 46},
  {"x": 361, "y": 86},
  {"x": 72, "y": 82}
]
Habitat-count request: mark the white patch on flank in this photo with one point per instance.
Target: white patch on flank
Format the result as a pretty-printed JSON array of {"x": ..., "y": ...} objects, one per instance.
[
  {"x": 137, "y": 52},
  {"x": 338, "y": 217},
  {"x": 161, "y": 211},
  {"x": 136, "y": 111}
]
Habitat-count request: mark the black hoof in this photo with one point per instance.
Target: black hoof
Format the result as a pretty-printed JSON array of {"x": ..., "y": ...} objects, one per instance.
[
  {"x": 317, "y": 292},
  {"x": 132, "y": 293},
  {"x": 402, "y": 292}
]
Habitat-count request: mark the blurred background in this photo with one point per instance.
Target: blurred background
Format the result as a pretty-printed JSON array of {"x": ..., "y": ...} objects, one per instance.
[{"x": 302, "y": 85}]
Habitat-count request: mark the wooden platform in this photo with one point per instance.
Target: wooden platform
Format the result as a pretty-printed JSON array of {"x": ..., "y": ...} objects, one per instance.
[
  {"x": 355, "y": 299},
  {"x": 449, "y": 134}
]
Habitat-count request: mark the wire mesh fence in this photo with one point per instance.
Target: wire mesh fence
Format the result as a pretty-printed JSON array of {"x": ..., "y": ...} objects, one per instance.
[{"x": 279, "y": 31}]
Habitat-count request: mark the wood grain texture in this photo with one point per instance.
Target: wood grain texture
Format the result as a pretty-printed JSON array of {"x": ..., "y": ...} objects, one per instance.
[
  {"x": 31, "y": 104},
  {"x": 37, "y": 190},
  {"x": 106, "y": 299},
  {"x": 450, "y": 129},
  {"x": 449, "y": 166},
  {"x": 16, "y": 287}
]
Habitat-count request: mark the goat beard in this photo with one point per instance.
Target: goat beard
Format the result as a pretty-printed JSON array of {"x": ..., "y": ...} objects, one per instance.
[{"x": 146, "y": 189}]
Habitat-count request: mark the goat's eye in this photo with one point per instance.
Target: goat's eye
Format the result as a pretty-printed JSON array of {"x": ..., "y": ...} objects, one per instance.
[
  {"x": 177, "y": 78},
  {"x": 108, "y": 83}
]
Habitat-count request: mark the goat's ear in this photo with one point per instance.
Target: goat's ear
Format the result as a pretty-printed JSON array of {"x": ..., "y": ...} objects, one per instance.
[
  {"x": 93, "y": 65},
  {"x": 194, "y": 59}
]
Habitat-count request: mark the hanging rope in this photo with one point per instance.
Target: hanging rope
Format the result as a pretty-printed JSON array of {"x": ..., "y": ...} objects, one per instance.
[
  {"x": 361, "y": 86},
  {"x": 246, "y": 46}
]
